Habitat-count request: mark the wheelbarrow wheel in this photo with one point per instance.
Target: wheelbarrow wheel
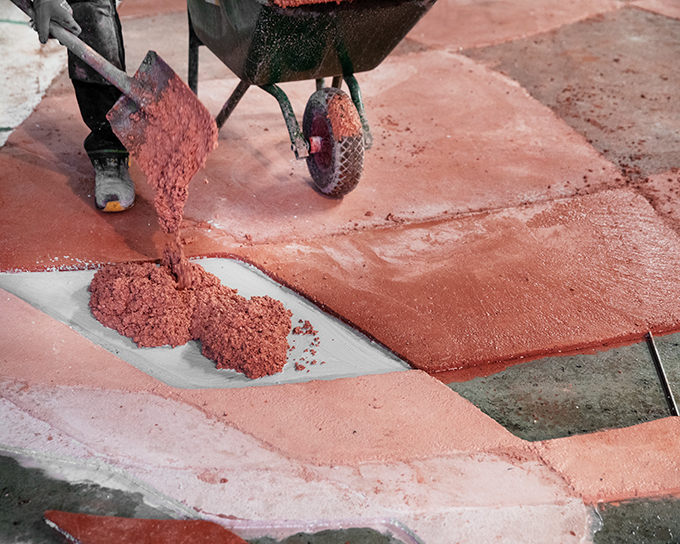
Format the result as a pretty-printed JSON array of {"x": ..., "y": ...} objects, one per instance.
[{"x": 332, "y": 126}]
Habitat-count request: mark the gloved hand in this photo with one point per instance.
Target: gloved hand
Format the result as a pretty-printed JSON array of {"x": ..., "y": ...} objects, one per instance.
[{"x": 53, "y": 10}]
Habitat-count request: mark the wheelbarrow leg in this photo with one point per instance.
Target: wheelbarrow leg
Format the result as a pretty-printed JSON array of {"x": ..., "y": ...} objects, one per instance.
[
  {"x": 355, "y": 93},
  {"x": 321, "y": 83},
  {"x": 194, "y": 43},
  {"x": 230, "y": 104},
  {"x": 297, "y": 140}
]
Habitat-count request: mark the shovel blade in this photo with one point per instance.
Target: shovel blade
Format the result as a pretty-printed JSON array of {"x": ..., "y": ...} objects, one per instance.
[
  {"x": 167, "y": 130},
  {"x": 90, "y": 529}
]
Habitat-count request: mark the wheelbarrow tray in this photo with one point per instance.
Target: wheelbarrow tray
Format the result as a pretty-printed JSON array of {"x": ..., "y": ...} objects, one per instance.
[{"x": 264, "y": 44}]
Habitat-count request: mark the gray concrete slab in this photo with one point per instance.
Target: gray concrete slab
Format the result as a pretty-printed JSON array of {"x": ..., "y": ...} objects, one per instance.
[
  {"x": 612, "y": 77},
  {"x": 555, "y": 397}
]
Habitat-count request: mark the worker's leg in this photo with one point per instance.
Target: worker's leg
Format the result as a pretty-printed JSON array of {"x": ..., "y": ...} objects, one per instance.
[{"x": 114, "y": 190}]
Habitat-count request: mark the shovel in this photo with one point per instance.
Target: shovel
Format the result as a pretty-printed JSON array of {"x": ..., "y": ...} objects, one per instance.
[{"x": 158, "y": 119}]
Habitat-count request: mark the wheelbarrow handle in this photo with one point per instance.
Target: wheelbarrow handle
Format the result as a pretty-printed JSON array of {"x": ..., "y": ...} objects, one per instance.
[{"x": 83, "y": 51}]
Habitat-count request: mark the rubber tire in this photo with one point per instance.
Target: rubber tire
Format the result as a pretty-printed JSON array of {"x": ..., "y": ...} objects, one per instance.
[{"x": 337, "y": 168}]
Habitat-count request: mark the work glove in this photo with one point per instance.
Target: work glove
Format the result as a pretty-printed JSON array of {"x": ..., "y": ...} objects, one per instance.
[{"x": 53, "y": 10}]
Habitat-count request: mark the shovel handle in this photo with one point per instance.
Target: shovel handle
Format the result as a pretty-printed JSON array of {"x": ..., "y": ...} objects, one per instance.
[{"x": 83, "y": 51}]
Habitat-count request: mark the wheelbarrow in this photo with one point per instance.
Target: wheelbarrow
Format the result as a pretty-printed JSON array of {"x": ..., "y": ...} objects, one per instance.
[{"x": 265, "y": 42}]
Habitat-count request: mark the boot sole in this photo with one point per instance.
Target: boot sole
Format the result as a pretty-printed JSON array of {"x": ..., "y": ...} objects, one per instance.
[{"x": 114, "y": 206}]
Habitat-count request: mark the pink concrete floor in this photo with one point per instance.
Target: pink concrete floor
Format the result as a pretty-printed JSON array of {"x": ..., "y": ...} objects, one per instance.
[{"x": 485, "y": 231}]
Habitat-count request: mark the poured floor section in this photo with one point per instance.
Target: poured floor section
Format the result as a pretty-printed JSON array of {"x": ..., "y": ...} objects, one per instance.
[{"x": 492, "y": 280}]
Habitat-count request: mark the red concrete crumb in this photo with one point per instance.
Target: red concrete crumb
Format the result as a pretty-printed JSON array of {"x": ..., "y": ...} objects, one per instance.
[
  {"x": 299, "y": 367},
  {"x": 344, "y": 118},
  {"x": 179, "y": 301},
  {"x": 142, "y": 302},
  {"x": 250, "y": 336},
  {"x": 177, "y": 263},
  {"x": 146, "y": 303},
  {"x": 306, "y": 328}
]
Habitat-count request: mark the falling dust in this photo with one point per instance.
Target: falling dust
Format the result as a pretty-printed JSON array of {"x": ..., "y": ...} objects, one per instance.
[{"x": 178, "y": 301}]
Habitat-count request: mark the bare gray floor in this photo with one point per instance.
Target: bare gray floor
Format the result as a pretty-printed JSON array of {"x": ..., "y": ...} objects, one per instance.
[
  {"x": 555, "y": 397},
  {"x": 612, "y": 77}
]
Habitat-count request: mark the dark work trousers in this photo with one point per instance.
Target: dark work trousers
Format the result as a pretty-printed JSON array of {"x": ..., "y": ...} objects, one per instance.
[{"x": 101, "y": 31}]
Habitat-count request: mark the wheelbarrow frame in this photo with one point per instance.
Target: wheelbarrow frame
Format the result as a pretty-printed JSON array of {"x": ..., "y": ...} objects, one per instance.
[{"x": 264, "y": 44}]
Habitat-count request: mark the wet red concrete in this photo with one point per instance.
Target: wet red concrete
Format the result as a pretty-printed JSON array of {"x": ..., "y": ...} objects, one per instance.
[{"x": 583, "y": 272}]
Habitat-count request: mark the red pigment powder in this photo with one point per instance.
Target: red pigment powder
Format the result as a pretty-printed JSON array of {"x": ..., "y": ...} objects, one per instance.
[{"x": 144, "y": 302}]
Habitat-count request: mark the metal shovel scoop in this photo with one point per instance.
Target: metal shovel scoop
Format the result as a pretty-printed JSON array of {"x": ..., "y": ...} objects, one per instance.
[{"x": 158, "y": 119}]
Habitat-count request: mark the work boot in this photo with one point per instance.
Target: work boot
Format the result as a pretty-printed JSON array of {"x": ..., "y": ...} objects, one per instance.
[{"x": 114, "y": 190}]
